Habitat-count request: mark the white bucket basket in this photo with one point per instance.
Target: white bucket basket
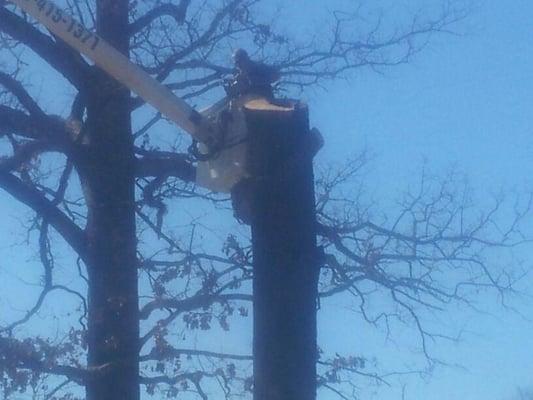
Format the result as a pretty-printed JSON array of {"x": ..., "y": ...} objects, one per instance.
[{"x": 228, "y": 167}]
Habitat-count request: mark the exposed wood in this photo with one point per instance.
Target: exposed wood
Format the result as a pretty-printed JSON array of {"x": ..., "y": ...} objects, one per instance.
[{"x": 263, "y": 104}]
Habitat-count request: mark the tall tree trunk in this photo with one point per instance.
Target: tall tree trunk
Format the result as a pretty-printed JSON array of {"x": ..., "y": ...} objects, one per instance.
[
  {"x": 284, "y": 250},
  {"x": 108, "y": 183}
]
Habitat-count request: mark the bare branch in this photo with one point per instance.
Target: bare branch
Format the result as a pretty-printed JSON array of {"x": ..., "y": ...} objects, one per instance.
[
  {"x": 165, "y": 164},
  {"x": 196, "y": 302},
  {"x": 34, "y": 199},
  {"x": 17, "y": 89},
  {"x": 68, "y": 63},
  {"x": 178, "y": 12}
]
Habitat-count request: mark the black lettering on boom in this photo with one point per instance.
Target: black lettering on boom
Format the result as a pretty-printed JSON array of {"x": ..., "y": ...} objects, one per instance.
[{"x": 73, "y": 27}]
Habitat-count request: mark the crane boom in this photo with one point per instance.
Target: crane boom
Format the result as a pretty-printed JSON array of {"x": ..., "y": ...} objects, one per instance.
[{"x": 119, "y": 67}]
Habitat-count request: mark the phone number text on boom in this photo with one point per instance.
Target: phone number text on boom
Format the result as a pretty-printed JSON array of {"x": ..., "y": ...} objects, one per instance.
[{"x": 77, "y": 30}]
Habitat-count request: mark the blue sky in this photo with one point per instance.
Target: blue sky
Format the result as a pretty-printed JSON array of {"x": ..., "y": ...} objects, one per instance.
[{"x": 464, "y": 102}]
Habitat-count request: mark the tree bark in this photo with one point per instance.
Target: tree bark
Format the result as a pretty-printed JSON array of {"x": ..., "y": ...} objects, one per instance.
[
  {"x": 284, "y": 251},
  {"x": 107, "y": 175}
]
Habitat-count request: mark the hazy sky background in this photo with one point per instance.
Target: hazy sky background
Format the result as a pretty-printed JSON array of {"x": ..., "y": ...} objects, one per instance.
[{"x": 464, "y": 102}]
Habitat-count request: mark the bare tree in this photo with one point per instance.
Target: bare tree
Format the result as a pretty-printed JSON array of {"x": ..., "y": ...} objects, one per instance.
[{"x": 144, "y": 284}]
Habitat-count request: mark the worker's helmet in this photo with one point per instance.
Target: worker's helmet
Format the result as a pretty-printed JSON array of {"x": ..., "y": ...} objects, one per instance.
[{"x": 240, "y": 56}]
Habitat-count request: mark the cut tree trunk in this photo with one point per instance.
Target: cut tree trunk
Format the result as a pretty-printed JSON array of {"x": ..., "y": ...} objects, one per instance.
[
  {"x": 106, "y": 173},
  {"x": 285, "y": 261}
]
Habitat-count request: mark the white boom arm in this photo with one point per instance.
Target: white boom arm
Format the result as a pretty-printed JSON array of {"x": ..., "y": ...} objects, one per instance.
[{"x": 119, "y": 67}]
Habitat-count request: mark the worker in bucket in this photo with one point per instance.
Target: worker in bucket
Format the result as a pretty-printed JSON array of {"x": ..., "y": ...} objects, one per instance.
[{"x": 251, "y": 77}]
